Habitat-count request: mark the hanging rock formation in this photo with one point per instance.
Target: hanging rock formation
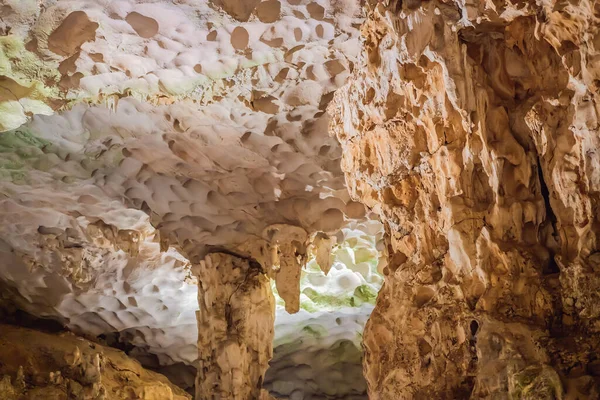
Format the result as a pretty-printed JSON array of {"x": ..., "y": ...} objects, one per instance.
[
  {"x": 317, "y": 352},
  {"x": 36, "y": 365},
  {"x": 472, "y": 129}
]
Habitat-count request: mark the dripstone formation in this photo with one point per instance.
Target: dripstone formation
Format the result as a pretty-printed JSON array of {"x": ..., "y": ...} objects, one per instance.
[
  {"x": 235, "y": 325},
  {"x": 471, "y": 128},
  {"x": 174, "y": 175}
]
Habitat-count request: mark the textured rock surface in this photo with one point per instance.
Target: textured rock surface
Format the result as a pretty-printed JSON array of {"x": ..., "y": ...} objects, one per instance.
[
  {"x": 318, "y": 356},
  {"x": 139, "y": 137},
  {"x": 155, "y": 132},
  {"x": 55, "y": 54},
  {"x": 235, "y": 326},
  {"x": 317, "y": 353},
  {"x": 472, "y": 129},
  {"x": 36, "y": 365}
]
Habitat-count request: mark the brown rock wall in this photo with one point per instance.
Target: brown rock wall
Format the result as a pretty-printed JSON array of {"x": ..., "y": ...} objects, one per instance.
[
  {"x": 36, "y": 365},
  {"x": 472, "y": 130}
]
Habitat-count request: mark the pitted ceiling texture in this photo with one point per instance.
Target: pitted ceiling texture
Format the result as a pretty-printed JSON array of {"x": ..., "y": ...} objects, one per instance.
[{"x": 140, "y": 135}]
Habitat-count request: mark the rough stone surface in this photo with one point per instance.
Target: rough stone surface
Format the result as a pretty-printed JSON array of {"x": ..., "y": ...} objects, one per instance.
[
  {"x": 140, "y": 136},
  {"x": 472, "y": 129},
  {"x": 36, "y": 365},
  {"x": 317, "y": 352},
  {"x": 235, "y": 324},
  {"x": 318, "y": 356}
]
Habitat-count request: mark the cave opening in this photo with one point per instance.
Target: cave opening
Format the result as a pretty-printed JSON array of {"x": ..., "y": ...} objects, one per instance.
[{"x": 317, "y": 352}]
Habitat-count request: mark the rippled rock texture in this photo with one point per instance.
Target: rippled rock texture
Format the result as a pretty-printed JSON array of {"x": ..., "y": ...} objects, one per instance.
[
  {"x": 36, "y": 365},
  {"x": 318, "y": 356},
  {"x": 317, "y": 352},
  {"x": 136, "y": 137},
  {"x": 472, "y": 129}
]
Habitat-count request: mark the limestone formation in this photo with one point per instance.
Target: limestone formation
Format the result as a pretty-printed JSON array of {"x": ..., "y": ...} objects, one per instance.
[
  {"x": 140, "y": 136},
  {"x": 36, "y": 365},
  {"x": 471, "y": 128},
  {"x": 317, "y": 352},
  {"x": 174, "y": 176},
  {"x": 235, "y": 326}
]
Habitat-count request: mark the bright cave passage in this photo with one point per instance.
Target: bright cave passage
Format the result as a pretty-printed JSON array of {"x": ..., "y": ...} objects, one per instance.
[{"x": 317, "y": 352}]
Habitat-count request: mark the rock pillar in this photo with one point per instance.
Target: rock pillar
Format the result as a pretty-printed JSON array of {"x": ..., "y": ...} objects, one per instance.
[{"x": 235, "y": 328}]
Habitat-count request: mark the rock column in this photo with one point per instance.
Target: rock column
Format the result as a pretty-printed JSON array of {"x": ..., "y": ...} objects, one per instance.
[{"x": 235, "y": 328}]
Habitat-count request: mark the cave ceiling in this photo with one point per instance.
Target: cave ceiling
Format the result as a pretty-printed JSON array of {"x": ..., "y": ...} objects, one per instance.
[{"x": 140, "y": 136}]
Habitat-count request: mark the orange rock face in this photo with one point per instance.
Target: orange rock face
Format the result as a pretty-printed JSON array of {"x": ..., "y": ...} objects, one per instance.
[
  {"x": 472, "y": 129},
  {"x": 36, "y": 365}
]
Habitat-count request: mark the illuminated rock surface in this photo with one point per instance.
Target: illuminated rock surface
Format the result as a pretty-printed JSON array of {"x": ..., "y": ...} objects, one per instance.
[
  {"x": 163, "y": 158},
  {"x": 472, "y": 129},
  {"x": 156, "y": 133},
  {"x": 36, "y": 365},
  {"x": 318, "y": 351}
]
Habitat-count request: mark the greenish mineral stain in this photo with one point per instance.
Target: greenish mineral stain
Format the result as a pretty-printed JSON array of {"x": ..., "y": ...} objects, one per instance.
[
  {"x": 26, "y": 68},
  {"x": 327, "y": 301},
  {"x": 27, "y": 83},
  {"x": 315, "y": 330},
  {"x": 18, "y": 149},
  {"x": 365, "y": 293},
  {"x": 535, "y": 382},
  {"x": 19, "y": 138},
  {"x": 307, "y": 306}
]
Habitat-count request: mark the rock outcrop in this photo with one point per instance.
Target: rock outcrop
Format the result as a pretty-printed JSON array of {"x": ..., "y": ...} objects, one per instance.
[
  {"x": 317, "y": 352},
  {"x": 36, "y": 365},
  {"x": 472, "y": 129}
]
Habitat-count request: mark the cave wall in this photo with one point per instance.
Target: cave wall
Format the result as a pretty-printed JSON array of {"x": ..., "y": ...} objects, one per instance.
[
  {"x": 37, "y": 365},
  {"x": 472, "y": 130}
]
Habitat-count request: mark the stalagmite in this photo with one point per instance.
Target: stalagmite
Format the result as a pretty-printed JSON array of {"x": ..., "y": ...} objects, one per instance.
[
  {"x": 235, "y": 326},
  {"x": 472, "y": 129}
]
